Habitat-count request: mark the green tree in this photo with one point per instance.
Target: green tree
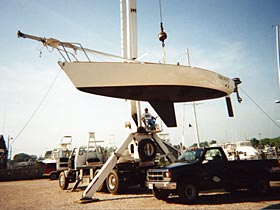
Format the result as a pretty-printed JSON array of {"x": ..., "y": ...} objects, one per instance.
[
  {"x": 21, "y": 157},
  {"x": 213, "y": 142},
  {"x": 254, "y": 142},
  {"x": 204, "y": 144}
]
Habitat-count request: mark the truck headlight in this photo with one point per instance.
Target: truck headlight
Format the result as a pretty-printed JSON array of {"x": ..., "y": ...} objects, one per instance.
[{"x": 168, "y": 174}]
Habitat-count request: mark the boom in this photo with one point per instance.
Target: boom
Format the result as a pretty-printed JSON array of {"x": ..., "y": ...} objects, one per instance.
[
  {"x": 54, "y": 43},
  {"x": 61, "y": 47}
]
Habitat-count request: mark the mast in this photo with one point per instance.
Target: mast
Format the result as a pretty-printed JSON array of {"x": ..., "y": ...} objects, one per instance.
[
  {"x": 277, "y": 52},
  {"x": 129, "y": 29},
  {"x": 129, "y": 46},
  {"x": 123, "y": 29},
  {"x": 132, "y": 29}
]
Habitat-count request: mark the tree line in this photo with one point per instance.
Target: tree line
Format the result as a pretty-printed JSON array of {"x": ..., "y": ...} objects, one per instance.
[{"x": 273, "y": 142}]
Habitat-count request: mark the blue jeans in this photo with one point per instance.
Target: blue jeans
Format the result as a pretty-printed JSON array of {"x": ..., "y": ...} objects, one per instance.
[{"x": 151, "y": 124}]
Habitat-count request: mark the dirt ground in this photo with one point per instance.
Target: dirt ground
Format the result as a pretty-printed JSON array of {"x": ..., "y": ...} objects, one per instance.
[{"x": 46, "y": 194}]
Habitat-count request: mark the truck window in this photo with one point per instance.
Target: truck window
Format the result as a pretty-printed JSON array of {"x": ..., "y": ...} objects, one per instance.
[
  {"x": 190, "y": 155},
  {"x": 213, "y": 155},
  {"x": 82, "y": 150}
]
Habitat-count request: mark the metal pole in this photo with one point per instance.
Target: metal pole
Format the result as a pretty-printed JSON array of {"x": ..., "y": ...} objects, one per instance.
[
  {"x": 188, "y": 57},
  {"x": 196, "y": 125},
  {"x": 8, "y": 147},
  {"x": 132, "y": 29},
  {"x": 183, "y": 136},
  {"x": 123, "y": 28},
  {"x": 139, "y": 117},
  {"x": 277, "y": 52}
]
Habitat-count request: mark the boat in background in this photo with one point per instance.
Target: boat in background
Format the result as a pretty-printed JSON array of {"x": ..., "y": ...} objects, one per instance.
[
  {"x": 246, "y": 151},
  {"x": 56, "y": 160}
]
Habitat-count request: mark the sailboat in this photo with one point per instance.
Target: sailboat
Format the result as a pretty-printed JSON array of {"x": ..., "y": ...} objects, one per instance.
[{"x": 160, "y": 84}]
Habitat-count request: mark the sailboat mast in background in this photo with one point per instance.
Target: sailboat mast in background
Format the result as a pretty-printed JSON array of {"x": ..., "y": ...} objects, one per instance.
[
  {"x": 277, "y": 56},
  {"x": 277, "y": 51}
]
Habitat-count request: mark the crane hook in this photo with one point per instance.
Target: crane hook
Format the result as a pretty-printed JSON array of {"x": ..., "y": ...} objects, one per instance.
[{"x": 162, "y": 36}]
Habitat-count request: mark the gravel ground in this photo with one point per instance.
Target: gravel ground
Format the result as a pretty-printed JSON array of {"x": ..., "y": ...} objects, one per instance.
[{"x": 45, "y": 194}]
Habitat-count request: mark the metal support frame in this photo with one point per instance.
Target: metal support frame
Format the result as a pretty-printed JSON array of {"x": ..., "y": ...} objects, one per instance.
[{"x": 112, "y": 161}]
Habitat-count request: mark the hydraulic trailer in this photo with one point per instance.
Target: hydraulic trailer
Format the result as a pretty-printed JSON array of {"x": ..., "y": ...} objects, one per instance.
[{"x": 106, "y": 169}]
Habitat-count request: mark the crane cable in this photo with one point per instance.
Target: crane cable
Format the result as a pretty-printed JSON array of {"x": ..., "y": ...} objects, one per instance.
[
  {"x": 162, "y": 36},
  {"x": 37, "y": 108},
  {"x": 260, "y": 108}
]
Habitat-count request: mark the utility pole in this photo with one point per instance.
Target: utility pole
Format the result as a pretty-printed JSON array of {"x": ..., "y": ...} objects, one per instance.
[{"x": 10, "y": 139}]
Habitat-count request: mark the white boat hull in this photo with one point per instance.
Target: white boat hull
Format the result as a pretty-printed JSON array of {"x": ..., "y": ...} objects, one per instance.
[{"x": 147, "y": 81}]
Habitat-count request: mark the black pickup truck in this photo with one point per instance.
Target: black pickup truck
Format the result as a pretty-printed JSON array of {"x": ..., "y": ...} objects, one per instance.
[{"x": 209, "y": 169}]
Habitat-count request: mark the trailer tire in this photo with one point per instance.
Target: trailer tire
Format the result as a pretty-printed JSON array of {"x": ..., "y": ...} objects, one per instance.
[
  {"x": 63, "y": 181},
  {"x": 188, "y": 193},
  {"x": 147, "y": 149},
  {"x": 113, "y": 182},
  {"x": 102, "y": 188},
  {"x": 160, "y": 194},
  {"x": 53, "y": 176}
]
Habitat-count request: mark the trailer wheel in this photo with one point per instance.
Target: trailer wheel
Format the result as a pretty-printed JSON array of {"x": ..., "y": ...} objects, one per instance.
[
  {"x": 147, "y": 149},
  {"x": 113, "y": 183},
  {"x": 188, "y": 193},
  {"x": 102, "y": 188},
  {"x": 63, "y": 181},
  {"x": 160, "y": 194},
  {"x": 54, "y": 176}
]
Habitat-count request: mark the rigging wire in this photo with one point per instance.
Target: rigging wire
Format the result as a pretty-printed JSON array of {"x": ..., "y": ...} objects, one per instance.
[
  {"x": 160, "y": 13},
  {"x": 259, "y": 108},
  {"x": 37, "y": 108}
]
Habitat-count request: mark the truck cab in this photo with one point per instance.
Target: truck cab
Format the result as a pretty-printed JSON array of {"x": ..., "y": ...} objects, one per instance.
[{"x": 208, "y": 169}]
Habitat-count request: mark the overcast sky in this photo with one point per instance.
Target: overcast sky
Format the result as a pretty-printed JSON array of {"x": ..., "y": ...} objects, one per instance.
[{"x": 234, "y": 38}]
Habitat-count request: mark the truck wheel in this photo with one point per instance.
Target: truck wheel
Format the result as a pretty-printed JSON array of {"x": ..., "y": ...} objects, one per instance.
[
  {"x": 262, "y": 186},
  {"x": 112, "y": 182},
  {"x": 147, "y": 149},
  {"x": 160, "y": 194},
  {"x": 102, "y": 188},
  {"x": 63, "y": 181},
  {"x": 53, "y": 176},
  {"x": 188, "y": 193}
]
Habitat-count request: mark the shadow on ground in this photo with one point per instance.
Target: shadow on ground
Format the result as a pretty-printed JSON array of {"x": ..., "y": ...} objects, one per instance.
[
  {"x": 237, "y": 197},
  {"x": 205, "y": 198}
]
